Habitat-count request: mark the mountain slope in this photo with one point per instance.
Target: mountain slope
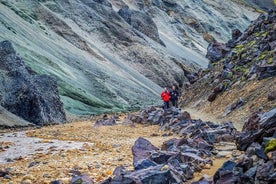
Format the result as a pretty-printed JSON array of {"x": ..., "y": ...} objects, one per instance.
[
  {"x": 104, "y": 63},
  {"x": 242, "y": 76}
]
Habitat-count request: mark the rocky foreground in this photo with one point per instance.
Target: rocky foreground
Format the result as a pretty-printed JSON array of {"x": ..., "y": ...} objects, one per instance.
[
  {"x": 178, "y": 159},
  {"x": 122, "y": 152}
]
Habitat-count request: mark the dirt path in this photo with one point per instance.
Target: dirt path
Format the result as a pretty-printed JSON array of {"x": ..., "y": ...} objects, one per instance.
[{"x": 196, "y": 114}]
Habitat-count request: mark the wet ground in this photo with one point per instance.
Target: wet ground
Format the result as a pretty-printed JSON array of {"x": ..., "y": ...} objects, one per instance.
[{"x": 18, "y": 145}]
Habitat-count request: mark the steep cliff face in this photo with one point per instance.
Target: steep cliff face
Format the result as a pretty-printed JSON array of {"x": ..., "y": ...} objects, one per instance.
[{"x": 115, "y": 55}]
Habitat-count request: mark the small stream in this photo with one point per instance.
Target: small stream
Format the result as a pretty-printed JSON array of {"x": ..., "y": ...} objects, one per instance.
[{"x": 23, "y": 146}]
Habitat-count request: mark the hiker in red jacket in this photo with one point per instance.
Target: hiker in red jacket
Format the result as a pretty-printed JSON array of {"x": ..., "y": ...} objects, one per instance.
[{"x": 165, "y": 95}]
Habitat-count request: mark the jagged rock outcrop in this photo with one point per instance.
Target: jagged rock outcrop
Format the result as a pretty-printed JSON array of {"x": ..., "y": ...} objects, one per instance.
[
  {"x": 257, "y": 164},
  {"x": 32, "y": 97},
  {"x": 142, "y": 22},
  {"x": 263, "y": 126}
]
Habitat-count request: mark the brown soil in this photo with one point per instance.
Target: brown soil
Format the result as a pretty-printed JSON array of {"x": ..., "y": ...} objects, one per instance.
[
  {"x": 112, "y": 148},
  {"x": 254, "y": 93}
]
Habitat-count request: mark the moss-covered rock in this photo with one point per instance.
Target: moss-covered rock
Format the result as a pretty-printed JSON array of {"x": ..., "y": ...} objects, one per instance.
[{"x": 271, "y": 145}]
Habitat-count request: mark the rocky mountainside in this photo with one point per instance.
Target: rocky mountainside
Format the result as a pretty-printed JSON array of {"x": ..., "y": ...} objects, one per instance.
[
  {"x": 114, "y": 55},
  {"x": 262, "y": 4},
  {"x": 32, "y": 97},
  {"x": 241, "y": 77}
]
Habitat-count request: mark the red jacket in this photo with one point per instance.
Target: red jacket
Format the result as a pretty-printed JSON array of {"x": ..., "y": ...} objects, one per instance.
[{"x": 165, "y": 95}]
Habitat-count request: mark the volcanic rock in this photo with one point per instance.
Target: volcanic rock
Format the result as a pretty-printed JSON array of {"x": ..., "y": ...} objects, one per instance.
[
  {"x": 216, "y": 51},
  {"x": 33, "y": 97},
  {"x": 271, "y": 96},
  {"x": 142, "y": 149}
]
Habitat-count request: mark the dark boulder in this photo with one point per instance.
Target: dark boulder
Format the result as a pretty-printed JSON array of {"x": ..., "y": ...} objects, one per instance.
[
  {"x": 81, "y": 179},
  {"x": 184, "y": 116},
  {"x": 271, "y": 95},
  {"x": 236, "y": 33},
  {"x": 193, "y": 158},
  {"x": 181, "y": 171},
  {"x": 266, "y": 128},
  {"x": 192, "y": 77},
  {"x": 249, "y": 175},
  {"x": 264, "y": 170},
  {"x": 153, "y": 175},
  {"x": 266, "y": 71},
  {"x": 33, "y": 97},
  {"x": 212, "y": 97},
  {"x": 108, "y": 122},
  {"x": 161, "y": 157},
  {"x": 239, "y": 103},
  {"x": 218, "y": 89},
  {"x": 119, "y": 178},
  {"x": 245, "y": 163},
  {"x": 142, "y": 149},
  {"x": 167, "y": 145},
  {"x": 143, "y": 164},
  {"x": 226, "y": 169},
  {"x": 252, "y": 123},
  {"x": 227, "y": 177},
  {"x": 56, "y": 182},
  {"x": 216, "y": 51}
]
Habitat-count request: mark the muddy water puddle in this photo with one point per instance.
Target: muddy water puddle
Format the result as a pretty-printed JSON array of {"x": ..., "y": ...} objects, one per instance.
[{"x": 17, "y": 145}]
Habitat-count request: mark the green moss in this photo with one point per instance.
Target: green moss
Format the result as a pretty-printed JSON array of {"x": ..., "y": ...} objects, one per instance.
[
  {"x": 240, "y": 69},
  {"x": 270, "y": 60},
  {"x": 251, "y": 43},
  {"x": 264, "y": 34},
  {"x": 244, "y": 55},
  {"x": 265, "y": 54},
  {"x": 242, "y": 78},
  {"x": 239, "y": 48},
  {"x": 271, "y": 145},
  {"x": 257, "y": 34}
]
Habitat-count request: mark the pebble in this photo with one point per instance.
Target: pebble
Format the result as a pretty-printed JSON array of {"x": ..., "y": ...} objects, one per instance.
[
  {"x": 28, "y": 177},
  {"x": 9, "y": 160},
  {"x": 7, "y": 177},
  {"x": 207, "y": 166},
  {"x": 27, "y": 181}
]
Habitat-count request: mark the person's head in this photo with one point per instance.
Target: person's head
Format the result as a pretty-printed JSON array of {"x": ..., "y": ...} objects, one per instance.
[
  {"x": 174, "y": 87},
  {"x": 165, "y": 89}
]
